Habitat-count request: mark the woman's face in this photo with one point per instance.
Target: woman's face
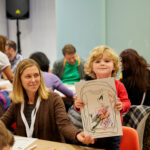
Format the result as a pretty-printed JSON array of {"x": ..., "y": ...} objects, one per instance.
[{"x": 30, "y": 79}]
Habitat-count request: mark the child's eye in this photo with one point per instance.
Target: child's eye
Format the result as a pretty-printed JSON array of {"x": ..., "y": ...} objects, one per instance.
[
  {"x": 107, "y": 60},
  {"x": 97, "y": 61}
]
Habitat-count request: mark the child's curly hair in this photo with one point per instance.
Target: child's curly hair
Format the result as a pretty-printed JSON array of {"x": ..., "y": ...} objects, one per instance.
[{"x": 97, "y": 53}]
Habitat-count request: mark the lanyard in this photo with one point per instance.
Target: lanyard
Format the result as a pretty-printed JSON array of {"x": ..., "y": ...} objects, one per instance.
[
  {"x": 29, "y": 131},
  {"x": 143, "y": 98}
]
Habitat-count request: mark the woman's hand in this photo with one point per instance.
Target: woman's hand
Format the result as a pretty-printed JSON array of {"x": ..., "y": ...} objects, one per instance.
[
  {"x": 78, "y": 103},
  {"x": 85, "y": 139},
  {"x": 118, "y": 105}
]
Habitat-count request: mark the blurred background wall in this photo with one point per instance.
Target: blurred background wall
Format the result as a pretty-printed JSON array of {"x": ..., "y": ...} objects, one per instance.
[{"x": 84, "y": 23}]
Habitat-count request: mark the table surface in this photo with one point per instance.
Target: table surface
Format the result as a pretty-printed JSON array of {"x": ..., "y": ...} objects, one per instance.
[{"x": 46, "y": 145}]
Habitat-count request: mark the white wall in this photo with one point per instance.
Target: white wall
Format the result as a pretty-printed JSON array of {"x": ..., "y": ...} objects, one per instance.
[
  {"x": 3, "y": 22},
  {"x": 128, "y": 25},
  {"x": 81, "y": 23},
  {"x": 38, "y": 33}
]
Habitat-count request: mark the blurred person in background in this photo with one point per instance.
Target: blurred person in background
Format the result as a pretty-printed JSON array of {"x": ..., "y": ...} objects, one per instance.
[
  {"x": 13, "y": 56},
  {"x": 4, "y": 62},
  {"x": 70, "y": 69},
  {"x": 136, "y": 77}
]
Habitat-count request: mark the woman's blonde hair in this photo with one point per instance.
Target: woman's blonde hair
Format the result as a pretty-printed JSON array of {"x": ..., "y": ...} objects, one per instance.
[
  {"x": 97, "y": 53},
  {"x": 18, "y": 93}
]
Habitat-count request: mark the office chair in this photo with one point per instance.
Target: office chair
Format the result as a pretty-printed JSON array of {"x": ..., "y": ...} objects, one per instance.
[{"x": 129, "y": 140}]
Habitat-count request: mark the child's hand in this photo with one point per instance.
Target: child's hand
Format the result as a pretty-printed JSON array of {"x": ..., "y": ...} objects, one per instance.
[
  {"x": 78, "y": 103},
  {"x": 118, "y": 105}
]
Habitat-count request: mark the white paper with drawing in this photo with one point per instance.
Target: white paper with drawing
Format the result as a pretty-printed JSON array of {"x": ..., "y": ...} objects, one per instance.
[{"x": 99, "y": 117}]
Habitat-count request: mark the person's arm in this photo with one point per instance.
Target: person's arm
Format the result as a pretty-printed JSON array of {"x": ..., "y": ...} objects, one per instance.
[
  {"x": 7, "y": 71},
  {"x": 68, "y": 130},
  {"x": 123, "y": 96},
  {"x": 62, "y": 120},
  {"x": 8, "y": 116},
  {"x": 62, "y": 88},
  {"x": 78, "y": 104},
  {"x": 5, "y": 66},
  {"x": 4, "y": 76}
]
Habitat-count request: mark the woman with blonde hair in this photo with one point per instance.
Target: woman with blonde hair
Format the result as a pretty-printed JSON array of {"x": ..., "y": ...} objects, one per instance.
[{"x": 37, "y": 111}]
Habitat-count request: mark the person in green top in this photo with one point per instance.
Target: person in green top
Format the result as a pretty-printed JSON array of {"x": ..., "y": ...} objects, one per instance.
[{"x": 70, "y": 69}]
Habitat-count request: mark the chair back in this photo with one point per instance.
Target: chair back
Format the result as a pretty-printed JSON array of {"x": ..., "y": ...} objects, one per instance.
[
  {"x": 136, "y": 118},
  {"x": 129, "y": 140}
]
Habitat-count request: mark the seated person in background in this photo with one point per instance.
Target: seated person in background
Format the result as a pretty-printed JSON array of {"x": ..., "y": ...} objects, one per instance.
[
  {"x": 30, "y": 97},
  {"x": 103, "y": 62},
  {"x": 136, "y": 77},
  {"x": 50, "y": 80},
  {"x": 13, "y": 56},
  {"x": 70, "y": 68},
  {"x": 6, "y": 138},
  {"x": 5, "y": 67},
  {"x": 2, "y": 43},
  {"x": 4, "y": 62}
]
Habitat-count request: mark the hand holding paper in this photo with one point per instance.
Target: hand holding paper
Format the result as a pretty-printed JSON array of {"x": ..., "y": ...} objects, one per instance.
[
  {"x": 85, "y": 139},
  {"x": 118, "y": 105},
  {"x": 79, "y": 103},
  {"x": 99, "y": 115}
]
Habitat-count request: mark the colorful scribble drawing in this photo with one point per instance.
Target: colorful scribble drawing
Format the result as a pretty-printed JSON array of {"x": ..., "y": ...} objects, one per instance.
[
  {"x": 102, "y": 118},
  {"x": 99, "y": 117}
]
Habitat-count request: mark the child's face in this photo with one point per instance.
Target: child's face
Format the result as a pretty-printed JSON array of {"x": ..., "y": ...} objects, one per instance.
[{"x": 103, "y": 67}]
